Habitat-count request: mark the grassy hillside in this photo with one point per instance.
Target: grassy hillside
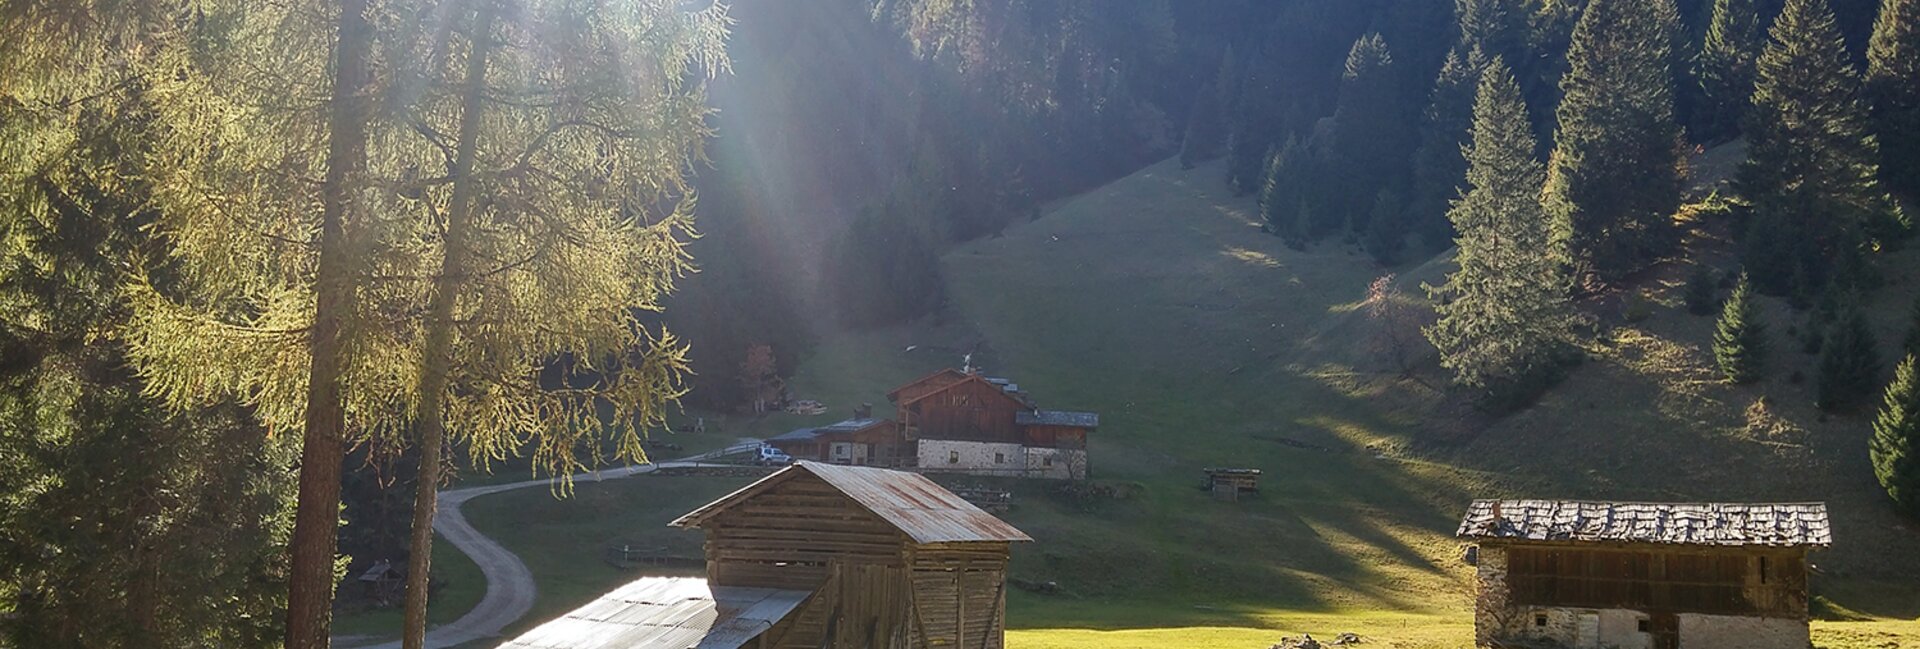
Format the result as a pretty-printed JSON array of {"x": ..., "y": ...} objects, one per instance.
[{"x": 1203, "y": 342}]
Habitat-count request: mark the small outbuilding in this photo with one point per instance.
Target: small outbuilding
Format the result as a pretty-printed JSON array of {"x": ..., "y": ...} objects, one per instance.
[
  {"x": 1635, "y": 575},
  {"x": 817, "y": 555},
  {"x": 1229, "y": 484}
]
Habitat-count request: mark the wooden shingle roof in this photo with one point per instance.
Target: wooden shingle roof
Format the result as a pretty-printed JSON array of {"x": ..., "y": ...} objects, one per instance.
[
  {"x": 1716, "y": 524},
  {"x": 922, "y": 510}
]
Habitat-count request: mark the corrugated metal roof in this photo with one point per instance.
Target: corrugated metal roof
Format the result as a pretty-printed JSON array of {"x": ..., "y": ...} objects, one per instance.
[
  {"x": 924, "y": 511},
  {"x": 666, "y": 613},
  {"x": 796, "y": 434},
  {"x": 851, "y": 425},
  {"x": 1722, "y": 524},
  {"x": 1057, "y": 418}
]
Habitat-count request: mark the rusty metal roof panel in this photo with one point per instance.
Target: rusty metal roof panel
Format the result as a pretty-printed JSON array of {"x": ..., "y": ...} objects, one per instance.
[
  {"x": 666, "y": 613},
  {"x": 926, "y": 512},
  {"x": 1716, "y": 524}
]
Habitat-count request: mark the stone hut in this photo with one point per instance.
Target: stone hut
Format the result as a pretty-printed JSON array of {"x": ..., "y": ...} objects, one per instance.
[{"x": 1630, "y": 575}]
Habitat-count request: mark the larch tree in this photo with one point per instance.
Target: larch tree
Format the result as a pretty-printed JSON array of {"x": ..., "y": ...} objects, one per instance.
[
  {"x": 1438, "y": 168},
  {"x": 564, "y": 130},
  {"x": 1614, "y": 179},
  {"x": 1740, "y": 337},
  {"x": 1895, "y": 446},
  {"x": 1893, "y": 93},
  {"x": 1505, "y": 320},
  {"x": 358, "y": 280},
  {"x": 1812, "y": 165},
  {"x": 260, "y": 184},
  {"x": 1725, "y": 69}
]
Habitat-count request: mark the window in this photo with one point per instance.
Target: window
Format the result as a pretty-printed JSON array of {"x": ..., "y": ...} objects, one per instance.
[
  {"x": 999, "y": 458},
  {"x": 953, "y": 457},
  {"x": 1539, "y": 620},
  {"x": 1047, "y": 461},
  {"x": 1763, "y": 570},
  {"x": 1646, "y": 625}
]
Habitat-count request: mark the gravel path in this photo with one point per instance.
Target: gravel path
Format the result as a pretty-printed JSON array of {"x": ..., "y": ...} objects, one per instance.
[{"x": 510, "y": 589}]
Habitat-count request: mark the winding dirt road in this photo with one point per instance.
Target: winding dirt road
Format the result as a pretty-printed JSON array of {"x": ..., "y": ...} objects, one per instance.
[{"x": 510, "y": 589}]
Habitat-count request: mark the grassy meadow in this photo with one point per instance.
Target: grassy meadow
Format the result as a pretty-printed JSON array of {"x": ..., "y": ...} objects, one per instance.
[{"x": 1202, "y": 341}]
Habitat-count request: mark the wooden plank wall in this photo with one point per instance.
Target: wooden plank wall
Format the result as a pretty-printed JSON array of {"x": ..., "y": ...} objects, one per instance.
[
  {"x": 787, "y": 536},
  {"x": 959, "y": 593},
  {"x": 1747, "y": 581},
  {"x": 973, "y": 410}
]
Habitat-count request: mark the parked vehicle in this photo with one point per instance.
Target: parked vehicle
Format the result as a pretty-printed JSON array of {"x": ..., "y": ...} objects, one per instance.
[{"x": 770, "y": 456}]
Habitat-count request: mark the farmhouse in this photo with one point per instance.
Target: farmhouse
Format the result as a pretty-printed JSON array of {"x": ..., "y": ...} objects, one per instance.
[
  {"x": 861, "y": 441},
  {"x": 1643, "y": 575},
  {"x": 816, "y": 555},
  {"x": 963, "y": 422}
]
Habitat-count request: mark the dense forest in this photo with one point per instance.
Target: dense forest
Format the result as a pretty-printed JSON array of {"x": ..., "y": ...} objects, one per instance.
[{"x": 273, "y": 250}]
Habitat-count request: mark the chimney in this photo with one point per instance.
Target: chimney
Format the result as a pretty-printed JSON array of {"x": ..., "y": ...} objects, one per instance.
[
  {"x": 1497, "y": 518},
  {"x": 863, "y": 411}
]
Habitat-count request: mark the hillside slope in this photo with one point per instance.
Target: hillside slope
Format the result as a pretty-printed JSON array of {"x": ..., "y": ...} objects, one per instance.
[
  {"x": 1157, "y": 301},
  {"x": 1204, "y": 342}
]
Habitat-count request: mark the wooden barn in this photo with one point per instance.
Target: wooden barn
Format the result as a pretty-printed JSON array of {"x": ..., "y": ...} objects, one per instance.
[
  {"x": 817, "y": 555},
  {"x": 1629, "y": 575},
  {"x": 981, "y": 425}
]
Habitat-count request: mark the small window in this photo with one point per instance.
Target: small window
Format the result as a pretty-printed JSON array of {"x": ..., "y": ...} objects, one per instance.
[
  {"x": 1646, "y": 625},
  {"x": 1539, "y": 620},
  {"x": 1047, "y": 461},
  {"x": 999, "y": 458},
  {"x": 953, "y": 457},
  {"x": 1763, "y": 570}
]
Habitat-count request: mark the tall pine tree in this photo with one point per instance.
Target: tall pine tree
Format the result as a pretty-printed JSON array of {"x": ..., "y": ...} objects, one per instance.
[
  {"x": 1895, "y": 447},
  {"x": 1726, "y": 69},
  {"x": 1370, "y": 133},
  {"x": 1438, "y": 168},
  {"x": 1740, "y": 338},
  {"x": 1893, "y": 92},
  {"x": 1614, "y": 179},
  {"x": 1812, "y": 166},
  {"x": 1507, "y": 321}
]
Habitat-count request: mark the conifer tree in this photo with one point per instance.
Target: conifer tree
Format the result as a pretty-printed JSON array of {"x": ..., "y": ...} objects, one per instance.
[
  {"x": 1726, "y": 69},
  {"x": 1849, "y": 362},
  {"x": 1507, "y": 322},
  {"x": 1893, "y": 92},
  {"x": 1740, "y": 338},
  {"x": 488, "y": 249},
  {"x": 1812, "y": 167},
  {"x": 1205, "y": 132},
  {"x": 1438, "y": 168},
  {"x": 1895, "y": 447},
  {"x": 1283, "y": 196},
  {"x": 1370, "y": 134},
  {"x": 1912, "y": 342},
  {"x": 1614, "y": 179}
]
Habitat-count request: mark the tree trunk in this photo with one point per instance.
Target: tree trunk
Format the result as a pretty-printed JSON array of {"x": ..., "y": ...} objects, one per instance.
[
  {"x": 310, "y": 583},
  {"x": 437, "y": 358}
]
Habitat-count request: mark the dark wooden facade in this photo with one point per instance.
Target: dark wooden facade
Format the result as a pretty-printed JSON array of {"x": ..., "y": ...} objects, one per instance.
[
  {"x": 874, "y": 584},
  {"x": 1054, "y": 436},
  {"x": 971, "y": 409},
  {"x": 1748, "y": 580}
]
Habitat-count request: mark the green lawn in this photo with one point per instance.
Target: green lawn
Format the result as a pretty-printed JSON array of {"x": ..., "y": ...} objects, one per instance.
[{"x": 1204, "y": 342}]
